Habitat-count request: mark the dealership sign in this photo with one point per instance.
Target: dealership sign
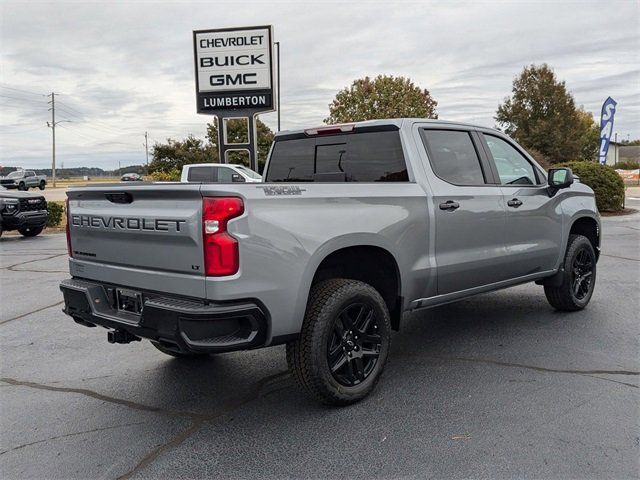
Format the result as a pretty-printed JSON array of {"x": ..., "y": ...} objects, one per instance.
[
  {"x": 234, "y": 69},
  {"x": 606, "y": 128}
]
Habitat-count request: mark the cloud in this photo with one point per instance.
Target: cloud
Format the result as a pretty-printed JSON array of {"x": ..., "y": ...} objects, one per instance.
[{"x": 126, "y": 68}]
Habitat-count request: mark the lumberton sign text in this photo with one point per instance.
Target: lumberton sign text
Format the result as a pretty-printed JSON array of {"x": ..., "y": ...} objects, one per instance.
[{"x": 233, "y": 69}]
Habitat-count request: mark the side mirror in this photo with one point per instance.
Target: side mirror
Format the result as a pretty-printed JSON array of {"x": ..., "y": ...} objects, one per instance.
[
  {"x": 560, "y": 178},
  {"x": 236, "y": 177}
]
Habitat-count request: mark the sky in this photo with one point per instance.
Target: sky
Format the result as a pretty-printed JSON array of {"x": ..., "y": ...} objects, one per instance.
[{"x": 122, "y": 68}]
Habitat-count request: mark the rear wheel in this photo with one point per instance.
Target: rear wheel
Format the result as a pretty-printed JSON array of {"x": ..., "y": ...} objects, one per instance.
[
  {"x": 579, "y": 277},
  {"x": 342, "y": 348},
  {"x": 30, "y": 231},
  {"x": 178, "y": 353}
]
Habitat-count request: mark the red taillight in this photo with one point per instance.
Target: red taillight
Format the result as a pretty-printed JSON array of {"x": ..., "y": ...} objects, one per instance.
[
  {"x": 67, "y": 228},
  {"x": 221, "y": 255}
]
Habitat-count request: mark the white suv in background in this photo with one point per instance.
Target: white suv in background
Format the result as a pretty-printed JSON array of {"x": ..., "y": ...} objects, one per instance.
[{"x": 218, "y": 173}]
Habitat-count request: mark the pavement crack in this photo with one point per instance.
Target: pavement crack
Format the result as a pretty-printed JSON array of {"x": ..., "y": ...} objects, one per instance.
[
  {"x": 11, "y": 267},
  {"x": 264, "y": 387},
  {"x": 100, "y": 396},
  {"x": 620, "y": 258},
  {"x": 258, "y": 391},
  {"x": 30, "y": 313},
  {"x": 174, "y": 442},
  {"x": 588, "y": 373},
  {"x": 100, "y": 429}
]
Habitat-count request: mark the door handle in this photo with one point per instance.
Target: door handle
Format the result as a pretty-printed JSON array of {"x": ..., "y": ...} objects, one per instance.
[
  {"x": 449, "y": 205},
  {"x": 515, "y": 203}
]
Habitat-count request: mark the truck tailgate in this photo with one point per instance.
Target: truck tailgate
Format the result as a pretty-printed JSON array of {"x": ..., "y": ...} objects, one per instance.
[{"x": 142, "y": 227}]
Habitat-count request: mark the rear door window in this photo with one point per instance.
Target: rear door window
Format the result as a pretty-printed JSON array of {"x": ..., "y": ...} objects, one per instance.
[
  {"x": 357, "y": 157},
  {"x": 453, "y": 157},
  {"x": 203, "y": 174}
]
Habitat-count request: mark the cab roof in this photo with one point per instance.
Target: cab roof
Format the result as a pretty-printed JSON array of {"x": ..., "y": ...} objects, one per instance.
[{"x": 382, "y": 124}]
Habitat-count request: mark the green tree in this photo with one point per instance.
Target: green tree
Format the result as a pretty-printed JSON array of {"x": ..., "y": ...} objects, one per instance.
[
  {"x": 383, "y": 97},
  {"x": 237, "y": 132},
  {"x": 171, "y": 156},
  {"x": 168, "y": 158},
  {"x": 542, "y": 115},
  {"x": 588, "y": 135}
]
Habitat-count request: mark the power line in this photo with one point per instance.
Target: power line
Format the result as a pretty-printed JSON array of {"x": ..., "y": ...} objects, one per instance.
[
  {"x": 22, "y": 99},
  {"x": 23, "y": 91},
  {"x": 22, "y": 131},
  {"x": 14, "y": 106},
  {"x": 89, "y": 122},
  {"x": 94, "y": 139},
  {"x": 79, "y": 114}
]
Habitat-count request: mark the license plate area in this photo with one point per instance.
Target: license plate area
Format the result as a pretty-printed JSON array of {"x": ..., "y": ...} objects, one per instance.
[{"x": 129, "y": 301}]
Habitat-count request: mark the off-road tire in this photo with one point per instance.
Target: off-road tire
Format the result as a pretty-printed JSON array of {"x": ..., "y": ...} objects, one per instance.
[
  {"x": 564, "y": 297},
  {"x": 42, "y": 185},
  {"x": 178, "y": 354},
  {"x": 30, "y": 231},
  {"x": 307, "y": 356}
]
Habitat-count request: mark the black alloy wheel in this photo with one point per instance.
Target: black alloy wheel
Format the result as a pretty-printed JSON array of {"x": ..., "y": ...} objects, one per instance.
[
  {"x": 354, "y": 345},
  {"x": 578, "y": 276},
  {"x": 582, "y": 273},
  {"x": 340, "y": 353}
]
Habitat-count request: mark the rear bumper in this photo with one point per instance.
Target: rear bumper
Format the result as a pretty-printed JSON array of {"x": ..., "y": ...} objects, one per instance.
[
  {"x": 181, "y": 324},
  {"x": 24, "y": 220}
]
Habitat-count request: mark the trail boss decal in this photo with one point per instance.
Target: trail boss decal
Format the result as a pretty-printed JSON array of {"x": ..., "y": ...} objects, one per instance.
[
  {"x": 271, "y": 191},
  {"x": 233, "y": 69}
]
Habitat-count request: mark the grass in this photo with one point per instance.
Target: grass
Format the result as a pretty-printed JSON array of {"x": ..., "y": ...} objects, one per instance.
[{"x": 74, "y": 182}]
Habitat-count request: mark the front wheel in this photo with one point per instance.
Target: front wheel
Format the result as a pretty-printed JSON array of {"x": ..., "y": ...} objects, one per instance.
[
  {"x": 22, "y": 186},
  {"x": 579, "y": 276},
  {"x": 30, "y": 231},
  {"x": 343, "y": 346},
  {"x": 42, "y": 185}
]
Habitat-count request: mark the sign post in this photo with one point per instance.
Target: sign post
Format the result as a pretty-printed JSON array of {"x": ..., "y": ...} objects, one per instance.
[{"x": 234, "y": 80}]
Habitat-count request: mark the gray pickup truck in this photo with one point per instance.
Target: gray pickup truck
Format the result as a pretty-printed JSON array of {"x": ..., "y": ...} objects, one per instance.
[
  {"x": 354, "y": 226},
  {"x": 24, "y": 180}
]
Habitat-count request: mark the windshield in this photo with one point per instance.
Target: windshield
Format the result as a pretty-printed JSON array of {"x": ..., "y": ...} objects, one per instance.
[
  {"x": 248, "y": 172},
  {"x": 15, "y": 174}
]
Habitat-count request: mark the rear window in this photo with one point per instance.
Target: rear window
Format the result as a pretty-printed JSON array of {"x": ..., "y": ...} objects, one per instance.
[
  {"x": 359, "y": 157},
  {"x": 202, "y": 174}
]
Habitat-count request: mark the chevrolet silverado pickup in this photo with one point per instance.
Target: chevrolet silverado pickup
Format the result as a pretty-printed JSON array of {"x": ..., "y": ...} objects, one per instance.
[
  {"x": 24, "y": 180},
  {"x": 354, "y": 226}
]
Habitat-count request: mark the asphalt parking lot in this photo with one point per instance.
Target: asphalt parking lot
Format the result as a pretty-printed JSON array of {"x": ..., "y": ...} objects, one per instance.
[{"x": 497, "y": 386}]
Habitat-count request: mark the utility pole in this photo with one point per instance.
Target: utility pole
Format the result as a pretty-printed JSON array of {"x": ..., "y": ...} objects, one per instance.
[
  {"x": 146, "y": 146},
  {"x": 53, "y": 137},
  {"x": 278, "y": 68}
]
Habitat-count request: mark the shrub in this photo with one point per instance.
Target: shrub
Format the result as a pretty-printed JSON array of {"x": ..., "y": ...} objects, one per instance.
[
  {"x": 172, "y": 175},
  {"x": 56, "y": 211},
  {"x": 605, "y": 182},
  {"x": 627, "y": 165}
]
